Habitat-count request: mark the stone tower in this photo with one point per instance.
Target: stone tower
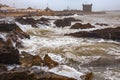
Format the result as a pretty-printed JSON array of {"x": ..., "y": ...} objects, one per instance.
[{"x": 87, "y": 7}]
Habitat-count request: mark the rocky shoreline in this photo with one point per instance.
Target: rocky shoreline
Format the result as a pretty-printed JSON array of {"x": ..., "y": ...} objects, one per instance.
[
  {"x": 108, "y": 33},
  {"x": 23, "y": 61}
]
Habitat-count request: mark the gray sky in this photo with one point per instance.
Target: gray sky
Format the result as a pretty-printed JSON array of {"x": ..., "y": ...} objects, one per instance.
[{"x": 62, "y": 4}]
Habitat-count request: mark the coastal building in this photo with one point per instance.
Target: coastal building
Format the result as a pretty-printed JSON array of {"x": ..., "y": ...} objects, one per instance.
[{"x": 87, "y": 7}]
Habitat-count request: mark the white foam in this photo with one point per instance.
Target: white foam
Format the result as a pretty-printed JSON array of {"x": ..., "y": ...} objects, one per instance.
[
  {"x": 66, "y": 71},
  {"x": 57, "y": 57}
]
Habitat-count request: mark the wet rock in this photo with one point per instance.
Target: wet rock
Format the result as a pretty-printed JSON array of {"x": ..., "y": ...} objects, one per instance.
[
  {"x": 9, "y": 43},
  {"x": 2, "y": 68},
  {"x": 43, "y": 21},
  {"x": 71, "y": 19},
  {"x": 21, "y": 33},
  {"x": 49, "y": 62},
  {"x": 65, "y": 22},
  {"x": 13, "y": 75},
  {"x": 2, "y": 43},
  {"x": 77, "y": 26},
  {"x": 9, "y": 55},
  {"x": 17, "y": 34},
  {"x": 5, "y": 27},
  {"x": 87, "y": 76},
  {"x": 108, "y": 33},
  {"x": 62, "y": 23},
  {"x": 82, "y": 26},
  {"x": 29, "y": 21},
  {"x": 37, "y": 61},
  {"x": 22, "y": 75},
  {"x": 13, "y": 31},
  {"x": 101, "y": 24},
  {"x": 51, "y": 76},
  {"x": 19, "y": 44},
  {"x": 88, "y": 25},
  {"x": 28, "y": 60}
]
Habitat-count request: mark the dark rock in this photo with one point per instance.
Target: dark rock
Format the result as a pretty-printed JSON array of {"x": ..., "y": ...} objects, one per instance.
[
  {"x": 62, "y": 23},
  {"x": 77, "y": 26},
  {"x": 8, "y": 53},
  {"x": 108, "y": 33},
  {"x": 21, "y": 33},
  {"x": 43, "y": 21},
  {"x": 87, "y": 76},
  {"x": 22, "y": 75},
  {"x": 51, "y": 76},
  {"x": 2, "y": 43},
  {"x": 13, "y": 31},
  {"x": 19, "y": 44},
  {"x": 9, "y": 56},
  {"x": 30, "y": 60},
  {"x": 72, "y": 19},
  {"x": 16, "y": 76},
  {"x": 82, "y": 26},
  {"x": 9, "y": 43},
  {"x": 5, "y": 27},
  {"x": 49, "y": 62},
  {"x": 37, "y": 61},
  {"x": 65, "y": 22},
  {"x": 88, "y": 25},
  {"x": 29, "y": 21},
  {"x": 17, "y": 33},
  {"x": 2, "y": 68},
  {"x": 26, "y": 59},
  {"x": 101, "y": 24}
]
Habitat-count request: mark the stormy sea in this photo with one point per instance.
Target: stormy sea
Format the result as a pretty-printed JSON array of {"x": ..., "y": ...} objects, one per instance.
[{"x": 78, "y": 47}]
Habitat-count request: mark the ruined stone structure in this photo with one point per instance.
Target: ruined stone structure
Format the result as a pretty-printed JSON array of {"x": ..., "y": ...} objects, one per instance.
[{"x": 87, "y": 7}]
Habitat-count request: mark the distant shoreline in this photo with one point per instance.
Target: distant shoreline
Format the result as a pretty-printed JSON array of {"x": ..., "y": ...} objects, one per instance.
[{"x": 53, "y": 13}]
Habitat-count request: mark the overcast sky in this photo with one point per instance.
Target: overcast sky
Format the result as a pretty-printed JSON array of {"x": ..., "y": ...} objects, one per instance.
[{"x": 62, "y": 4}]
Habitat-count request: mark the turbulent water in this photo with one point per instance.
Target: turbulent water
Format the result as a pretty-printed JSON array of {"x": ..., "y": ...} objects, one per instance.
[{"x": 78, "y": 53}]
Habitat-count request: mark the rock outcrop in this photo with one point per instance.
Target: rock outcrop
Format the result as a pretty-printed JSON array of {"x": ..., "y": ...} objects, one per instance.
[
  {"x": 101, "y": 24},
  {"x": 22, "y": 75},
  {"x": 65, "y": 22},
  {"x": 49, "y": 62},
  {"x": 30, "y": 60},
  {"x": 8, "y": 53},
  {"x": 87, "y": 76},
  {"x": 108, "y": 33},
  {"x": 31, "y": 21},
  {"x": 82, "y": 26},
  {"x": 6, "y": 27},
  {"x": 62, "y": 23},
  {"x": 2, "y": 68}
]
